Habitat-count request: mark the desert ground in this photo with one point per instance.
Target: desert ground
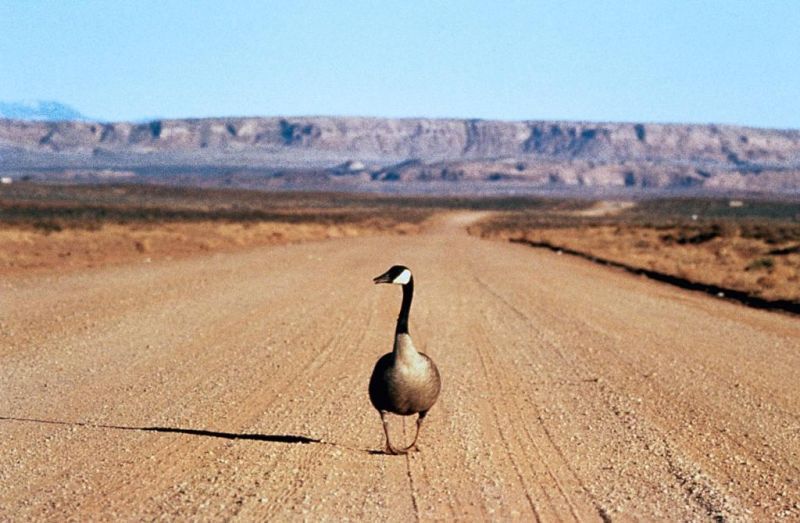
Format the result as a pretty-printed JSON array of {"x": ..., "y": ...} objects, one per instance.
[
  {"x": 233, "y": 385},
  {"x": 46, "y": 228},
  {"x": 744, "y": 246}
]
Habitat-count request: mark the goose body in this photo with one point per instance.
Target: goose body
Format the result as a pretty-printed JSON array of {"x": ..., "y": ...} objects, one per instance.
[{"x": 404, "y": 381}]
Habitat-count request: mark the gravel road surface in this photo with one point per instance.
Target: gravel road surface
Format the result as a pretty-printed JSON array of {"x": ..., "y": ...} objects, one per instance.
[{"x": 234, "y": 386}]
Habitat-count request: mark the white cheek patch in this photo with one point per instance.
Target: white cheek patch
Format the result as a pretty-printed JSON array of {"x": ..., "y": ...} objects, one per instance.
[{"x": 403, "y": 278}]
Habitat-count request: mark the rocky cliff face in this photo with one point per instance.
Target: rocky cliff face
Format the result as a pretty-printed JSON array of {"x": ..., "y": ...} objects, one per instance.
[{"x": 539, "y": 152}]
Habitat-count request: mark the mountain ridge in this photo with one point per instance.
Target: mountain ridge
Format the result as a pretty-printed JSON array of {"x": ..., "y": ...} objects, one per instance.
[{"x": 533, "y": 152}]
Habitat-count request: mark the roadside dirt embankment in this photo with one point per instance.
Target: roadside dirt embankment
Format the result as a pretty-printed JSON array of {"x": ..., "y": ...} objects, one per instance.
[{"x": 727, "y": 250}]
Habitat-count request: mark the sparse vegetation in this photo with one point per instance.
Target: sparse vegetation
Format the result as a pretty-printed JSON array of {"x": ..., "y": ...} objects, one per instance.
[
  {"x": 44, "y": 227},
  {"x": 760, "y": 263},
  {"x": 752, "y": 246}
]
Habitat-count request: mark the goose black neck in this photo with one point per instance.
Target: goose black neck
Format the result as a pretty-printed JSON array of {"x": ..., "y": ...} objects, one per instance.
[{"x": 405, "y": 308}]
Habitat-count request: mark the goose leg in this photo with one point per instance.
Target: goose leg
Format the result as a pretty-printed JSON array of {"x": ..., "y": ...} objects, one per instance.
[
  {"x": 413, "y": 445},
  {"x": 389, "y": 448}
]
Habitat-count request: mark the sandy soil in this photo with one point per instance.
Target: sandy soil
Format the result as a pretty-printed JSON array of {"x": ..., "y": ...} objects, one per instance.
[
  {"x": 233, "y": 386},
  {"x": 25, "y": 249}
]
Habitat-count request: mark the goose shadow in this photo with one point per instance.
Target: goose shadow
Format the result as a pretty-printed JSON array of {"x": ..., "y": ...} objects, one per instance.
[{"x": 292, "y": 439}]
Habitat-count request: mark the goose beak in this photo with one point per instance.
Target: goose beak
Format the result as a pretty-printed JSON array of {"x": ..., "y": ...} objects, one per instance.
[{"x": 383, "y": 278}]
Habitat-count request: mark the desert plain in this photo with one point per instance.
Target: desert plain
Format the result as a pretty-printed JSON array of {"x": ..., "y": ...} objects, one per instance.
[{"x": 187, "y": 360}]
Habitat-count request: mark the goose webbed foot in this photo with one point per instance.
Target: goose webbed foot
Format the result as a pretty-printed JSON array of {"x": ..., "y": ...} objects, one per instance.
[
  {"x": 411, "y": 448},
  {"x": 390, "y": 449},
  {"x": 393, "y": 451}
]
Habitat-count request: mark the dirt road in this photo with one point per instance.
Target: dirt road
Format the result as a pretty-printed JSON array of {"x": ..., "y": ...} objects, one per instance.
[{"x": 233, "y": 386}]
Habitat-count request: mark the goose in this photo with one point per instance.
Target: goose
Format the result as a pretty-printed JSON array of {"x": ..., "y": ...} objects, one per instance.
[{"x": 404, "y": 381}]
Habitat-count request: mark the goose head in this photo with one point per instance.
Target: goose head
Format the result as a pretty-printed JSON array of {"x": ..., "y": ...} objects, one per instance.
[{"x": 397, "y": 274}]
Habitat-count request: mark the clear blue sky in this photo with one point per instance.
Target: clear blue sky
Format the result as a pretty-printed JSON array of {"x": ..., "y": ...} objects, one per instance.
[{"x": 723, "y": 61}]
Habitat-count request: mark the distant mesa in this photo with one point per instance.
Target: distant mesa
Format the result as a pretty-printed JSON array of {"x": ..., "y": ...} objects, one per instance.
[
  {"x": 384, "y": 154},
  {"x": 39, "y": 110}
]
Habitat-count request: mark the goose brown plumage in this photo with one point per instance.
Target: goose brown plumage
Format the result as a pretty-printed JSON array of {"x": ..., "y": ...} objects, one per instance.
[{"x": 404, "y": 381}]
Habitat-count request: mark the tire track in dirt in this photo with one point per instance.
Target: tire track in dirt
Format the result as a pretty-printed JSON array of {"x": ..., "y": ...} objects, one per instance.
[
  {"x": 517, "y": 389},
  {"x": 254, "y": 409},
  {"x": 343, "y": 333},
  {"x": 161, "y": 450},
  {"x": 743, "y": 397},
  {"x": 688, "y": 471},
  {"x": 494, "y": 428},
  {"x": 636, "y": 429},
  {"x": 222, "y": 331},
  {"x": 444, "y": 494},
  {"x": 502, "y": 325},
  {"x": 301, "y": 460},
  {"x": 699, "y": 487}
]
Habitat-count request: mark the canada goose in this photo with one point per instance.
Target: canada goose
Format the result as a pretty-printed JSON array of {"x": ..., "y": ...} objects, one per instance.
[{"x": 404, "y": 381}]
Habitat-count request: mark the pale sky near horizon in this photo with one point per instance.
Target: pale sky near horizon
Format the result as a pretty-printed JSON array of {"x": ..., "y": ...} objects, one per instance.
[{"x": 724, "y": 61}]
